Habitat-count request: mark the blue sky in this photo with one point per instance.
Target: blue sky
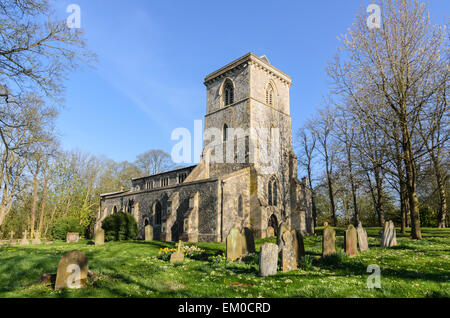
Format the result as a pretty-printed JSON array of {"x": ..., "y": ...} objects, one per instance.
[{"x": 154, "y": 55}]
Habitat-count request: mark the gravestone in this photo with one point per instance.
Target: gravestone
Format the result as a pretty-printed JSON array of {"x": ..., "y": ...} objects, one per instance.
[
  {"x": 99, "y": 237},
  {"x": 281, "y": 229},
  {"x": 328, "y": 241},
  {"x": 351, "y": 241},
  {"x": 72, "y": 237},
  {"x": 248, "y": 241},
  {"x": 362, "y": 238},
  {"x": 268, "y": 259},
  {"x": 234, "y": 244},
  {"x": 300, "y": 245},
  {"x": 289, "y": 255},
  {"x": 24, "y": 240},
  {"x": 148, "y": 233},
  {"x": 178, "y": 256},
  {"x": 37, "y": 238},
  {"x": 389, "y": 236},
  {"x": 72, "y": 271},
  {"x": 11, "y": 235},
  {"x": 270, "y": 231}
]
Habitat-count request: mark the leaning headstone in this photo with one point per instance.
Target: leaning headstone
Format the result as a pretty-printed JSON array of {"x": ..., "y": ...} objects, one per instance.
[
  {"x": 99, "y": 237},
  {"x": 270, "y": 231},
  {"x": 234, "y": 244},
  {"x": 148, "y": 233},
  {"x": 24, "y": 240},
  {"x": 72, "y": 237},
  {"x": 350, "y": 241},
  {"x": 389, "y": 236},
  {"x": 72, "y": 271},
  {"x": 288, "y": 254},
  {"x": 248, "y": 243},
  {"x": 37, "y": 238},
  {"x": 178, "y": 256},
  {"x": 362, "y": 238},
  {"x": 281, "y": 229},
  {"x": 328, "y": 241},
  {"x": 268, "y": 259}
]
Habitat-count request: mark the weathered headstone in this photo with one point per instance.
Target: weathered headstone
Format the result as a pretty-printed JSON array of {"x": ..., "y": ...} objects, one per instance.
[
  {"x": 328, "y": 241},
  {"x": 281, "y": 229},
  {"x": 37, "y": 238},
  {"x": 248, "y": 243},
  {"x": 268, "y": 259},
  {"x": 148, "y": 233},
  {"x": 11, "y": 235},
  {"x": 24, "y": 240},
  {"x": 178, "y": 256},
  {"x": 350, "y": 241},
  {"x": 362, "y": 238},
  {"x": 234, "y": 244},
  {"x": 99, "y": 237},
  {"x": 389, "y": 236},
  {"x": 270, "y": 231},
  {"x": 288, "y": 254},
  {"x": 72, "y": 237},
  {"x": 72, "y": 271}
]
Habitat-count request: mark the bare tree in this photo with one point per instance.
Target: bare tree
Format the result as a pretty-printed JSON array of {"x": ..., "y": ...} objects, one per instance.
[
  {"x": 154, "y": 161},
  {"x": 397, "y": 64}
]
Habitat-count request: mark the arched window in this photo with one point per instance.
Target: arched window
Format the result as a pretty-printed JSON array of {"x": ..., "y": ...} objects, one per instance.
[
  {"x": 224, "y": 132},
  {"x": 228, "y": 93},
  {"x": 115, "y": 210},
  {"x": 269, "y": 192},
  {"x": 269, "y": 95},
  {"x": 272, "y": 192},
  {"x": 240, "y": 207},
  {"x": 158, "y": 210}
]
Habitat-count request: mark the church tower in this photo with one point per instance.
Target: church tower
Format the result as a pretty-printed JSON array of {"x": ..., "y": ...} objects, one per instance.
[{"x": 248, "y": 124}]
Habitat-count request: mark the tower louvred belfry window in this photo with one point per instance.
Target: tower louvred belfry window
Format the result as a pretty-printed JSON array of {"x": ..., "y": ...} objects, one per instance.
[
  {"x": 269, "y": 95},
  {"x": 229, "y": 93}
]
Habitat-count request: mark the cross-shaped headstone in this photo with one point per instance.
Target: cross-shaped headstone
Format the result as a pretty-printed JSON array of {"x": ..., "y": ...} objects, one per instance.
[{"x": 11, "y": 234}]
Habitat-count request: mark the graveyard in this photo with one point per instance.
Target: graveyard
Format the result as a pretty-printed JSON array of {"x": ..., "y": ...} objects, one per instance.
[{"x": 409, "y": 268}]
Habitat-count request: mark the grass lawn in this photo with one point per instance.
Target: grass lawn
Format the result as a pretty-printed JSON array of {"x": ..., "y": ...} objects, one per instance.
[{"x": 131, "y": 269}]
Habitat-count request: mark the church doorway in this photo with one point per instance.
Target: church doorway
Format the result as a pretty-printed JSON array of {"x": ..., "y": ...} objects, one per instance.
[{"x": 273, "y": 222}]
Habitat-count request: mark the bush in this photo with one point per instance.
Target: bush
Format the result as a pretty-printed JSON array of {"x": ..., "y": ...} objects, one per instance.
[
  {"x": 306, "y": 262},
  {"x": 195, "y": 252},
  {"x": 218, "y": 260},
  {"x": 120, "y": 227},
  {"x": 64, "y": 225}
]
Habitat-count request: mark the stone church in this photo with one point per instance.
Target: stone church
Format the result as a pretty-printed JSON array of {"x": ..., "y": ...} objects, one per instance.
[{"x": 202, "y": 203}]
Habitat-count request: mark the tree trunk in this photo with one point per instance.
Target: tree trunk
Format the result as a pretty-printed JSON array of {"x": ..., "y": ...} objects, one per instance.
[
  {"x": 34, "y": 202},
  {"x": 43, "y": 203},
  {"x": 411, "y": 181}
]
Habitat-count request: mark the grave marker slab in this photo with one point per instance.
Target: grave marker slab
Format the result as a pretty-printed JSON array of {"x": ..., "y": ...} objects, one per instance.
[
  {"x": 350, "y": 241},
  {"x": 362, "y": 238},
  {"x": 328, "y": 241},
  {"x": 72, "y": 271},
  {"x": 268, "y": 259},
  {"x": 72, "y": 237}
]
